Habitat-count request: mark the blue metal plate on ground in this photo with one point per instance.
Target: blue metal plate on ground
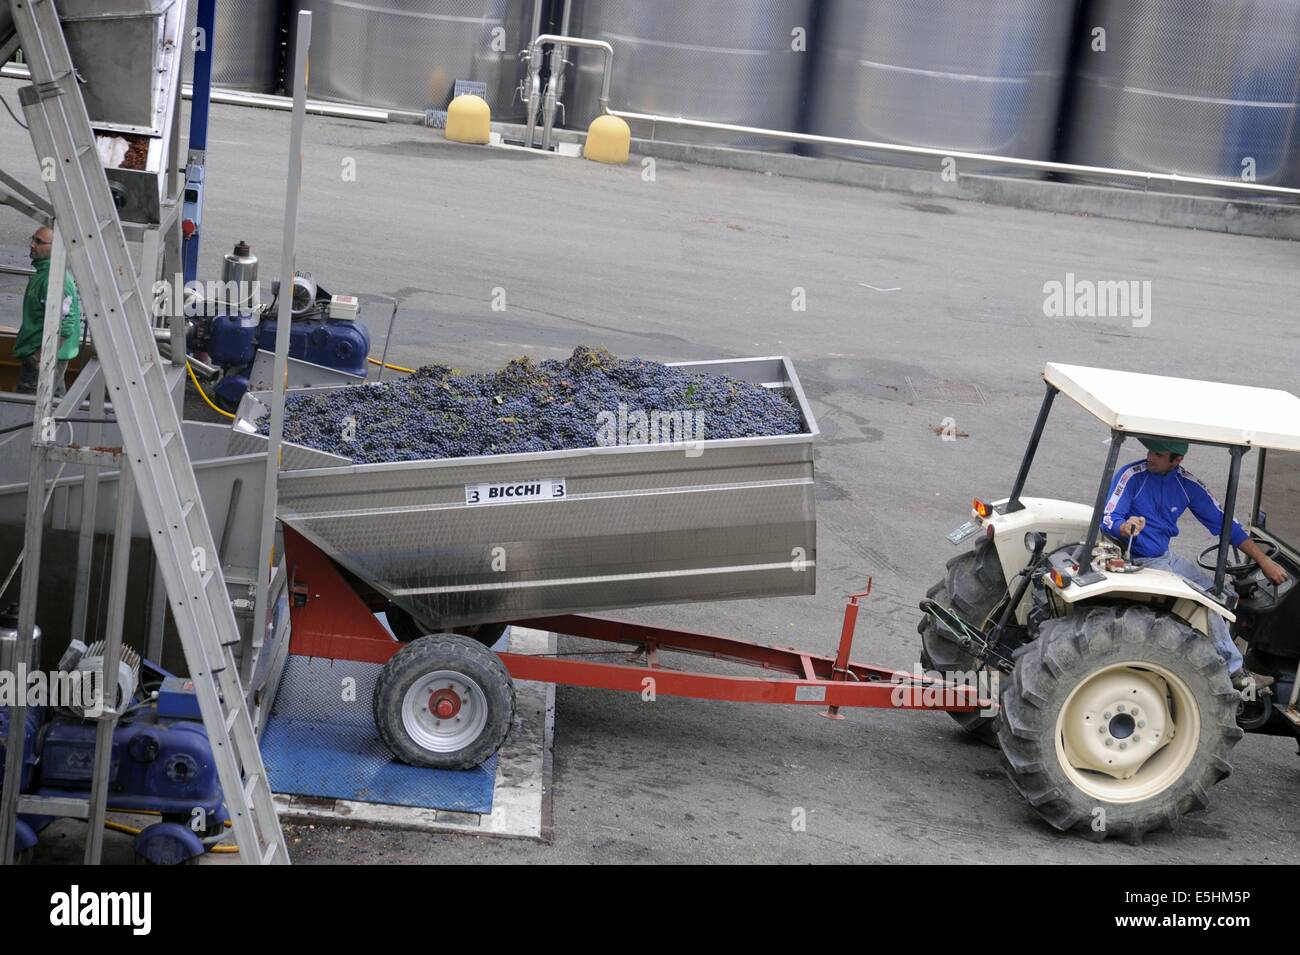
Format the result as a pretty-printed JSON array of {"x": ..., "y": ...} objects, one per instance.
[{"x": 320, "y": 740}]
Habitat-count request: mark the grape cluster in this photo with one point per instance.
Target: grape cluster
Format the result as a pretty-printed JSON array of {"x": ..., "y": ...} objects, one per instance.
[{"x": 438, "y": 412}]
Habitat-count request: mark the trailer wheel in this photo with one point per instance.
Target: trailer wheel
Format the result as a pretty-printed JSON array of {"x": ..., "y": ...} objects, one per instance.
[
  {"x": 445, "y": 702},
  {"x": 974, "y": 587},
  {"x": 1117, "y": 721}
]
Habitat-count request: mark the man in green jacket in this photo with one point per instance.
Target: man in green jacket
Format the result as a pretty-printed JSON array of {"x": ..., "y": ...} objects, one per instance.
[{"x": 27, "y": 347}]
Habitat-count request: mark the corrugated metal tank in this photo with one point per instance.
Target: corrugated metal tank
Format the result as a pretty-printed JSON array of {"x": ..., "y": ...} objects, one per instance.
[
  {"x": 408, "y": 54},
  {"x": 246, "y": 47},
  {"x": 727, "y": 62},
  {"x": 1191, "y": 86},
  {"x": 980, "y": 77}
]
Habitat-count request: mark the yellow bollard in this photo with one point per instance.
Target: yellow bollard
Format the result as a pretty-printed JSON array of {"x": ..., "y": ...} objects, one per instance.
[
  {"x": 609, "y": 139},
  {"x": 469, "y": 120}
]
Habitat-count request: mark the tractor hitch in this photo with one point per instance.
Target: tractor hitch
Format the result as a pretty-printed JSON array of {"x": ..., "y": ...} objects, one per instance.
[{"x": 969, "y": 638}]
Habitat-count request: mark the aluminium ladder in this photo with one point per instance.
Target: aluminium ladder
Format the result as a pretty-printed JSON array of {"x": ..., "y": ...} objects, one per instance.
[{"x": 121, "y": 325}]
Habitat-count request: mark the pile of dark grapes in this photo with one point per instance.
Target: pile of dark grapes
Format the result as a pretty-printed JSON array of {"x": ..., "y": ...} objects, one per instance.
[{"x": 553, "y": 405}]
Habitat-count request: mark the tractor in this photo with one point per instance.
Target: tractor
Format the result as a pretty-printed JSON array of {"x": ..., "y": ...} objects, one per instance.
[{"x": 1115, "y": 713}]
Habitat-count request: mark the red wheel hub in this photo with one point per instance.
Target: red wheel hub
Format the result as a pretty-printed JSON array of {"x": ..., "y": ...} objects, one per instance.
[{"x": 444, "y": 703}]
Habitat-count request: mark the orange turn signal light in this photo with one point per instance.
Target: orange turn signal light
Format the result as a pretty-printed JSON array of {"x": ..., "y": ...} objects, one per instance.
[
  {"x": 1059, "y": 579},
  {"x": 980, "y": 508}
]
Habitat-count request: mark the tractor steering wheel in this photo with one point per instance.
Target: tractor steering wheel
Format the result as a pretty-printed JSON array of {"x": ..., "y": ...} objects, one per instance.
[{"x": 1245, "y": 565}]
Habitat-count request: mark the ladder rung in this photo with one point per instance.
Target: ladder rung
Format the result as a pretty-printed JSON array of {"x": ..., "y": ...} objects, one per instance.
[
  {"x": 168, "y": 436},
  {"x": 249, "y": 787},
  {"x": 231, "y": 717},
  {"x": 82, "y": 150},
  {"x": 270, "y": 852},
  {"x": 207, "y": 576},
  {"x": 186, "y": 508}
]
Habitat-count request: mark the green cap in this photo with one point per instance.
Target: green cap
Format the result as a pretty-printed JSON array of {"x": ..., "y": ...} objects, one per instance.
[{"x": 1178, "y": 448}]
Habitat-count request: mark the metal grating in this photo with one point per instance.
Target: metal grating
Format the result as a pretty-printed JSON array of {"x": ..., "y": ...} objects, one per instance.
[{"x": 316, "y": 744}]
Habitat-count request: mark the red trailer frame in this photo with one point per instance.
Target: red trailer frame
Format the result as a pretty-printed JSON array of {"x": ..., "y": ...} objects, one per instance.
[{"x": 333, "y": 616}]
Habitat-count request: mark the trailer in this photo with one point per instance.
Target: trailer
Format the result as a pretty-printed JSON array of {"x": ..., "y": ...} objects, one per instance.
[{"x": 450, "y": 565}]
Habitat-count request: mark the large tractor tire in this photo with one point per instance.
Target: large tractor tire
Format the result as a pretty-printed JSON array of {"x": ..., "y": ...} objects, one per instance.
[
  {"x": 974, "y": 587},
  {"x": 444, "y": 701},
  {"x": 1117, "y": 721}
]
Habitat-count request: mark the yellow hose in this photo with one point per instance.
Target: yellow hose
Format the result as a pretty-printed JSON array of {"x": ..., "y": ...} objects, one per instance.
[
  {"x": 382, "y": 364},
  {"x": 203, "y": 394},
  {"x": 208, "y": 401}
]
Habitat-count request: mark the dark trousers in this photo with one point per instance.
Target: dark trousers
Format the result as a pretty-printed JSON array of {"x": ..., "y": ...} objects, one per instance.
[{"x": 30, "y": 374}]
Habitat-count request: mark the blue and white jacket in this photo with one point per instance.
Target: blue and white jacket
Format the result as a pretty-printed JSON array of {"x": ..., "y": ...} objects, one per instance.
[{"x": 1161, "y": 499}]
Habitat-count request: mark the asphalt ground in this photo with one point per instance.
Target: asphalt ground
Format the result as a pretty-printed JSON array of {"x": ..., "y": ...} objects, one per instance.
[{"x": 919, "y": 315}]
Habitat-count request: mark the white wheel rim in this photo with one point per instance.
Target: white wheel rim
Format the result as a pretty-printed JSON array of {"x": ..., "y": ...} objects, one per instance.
[
  {"x": 1127, "y": 732},
  {"x": 452, "y": 731}
]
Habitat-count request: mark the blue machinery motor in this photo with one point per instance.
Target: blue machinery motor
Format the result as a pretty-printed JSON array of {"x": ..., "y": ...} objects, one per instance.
[
  {"x": 161, "y": 764},
  {"x": 325, "y": 328}
]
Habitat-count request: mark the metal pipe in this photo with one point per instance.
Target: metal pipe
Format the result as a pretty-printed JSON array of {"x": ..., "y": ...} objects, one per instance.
[
  {"x": 315, "y": 107},
  {"x": 266, "y": 549},
  {"x": 1083, "y": 556},
  {"x": 383, "y": 359},
  {"x": 28, "y": 588},
  {"x": 537, "y": 20},
  {"x": 555, "y": 84},
  {"x": 534, "y": 77},
  {"x": 89, "y": 505},
  {"x": 533, "y": 89},
  {"x": 202, "y": 369},
  {"x": 108, "y": 679},
  {"x": 1043, "y": 164},
  {"x": 25, "y": 200},
  {"x": 1013, "y": 503},
  {"x": 1229, "y": 508}
]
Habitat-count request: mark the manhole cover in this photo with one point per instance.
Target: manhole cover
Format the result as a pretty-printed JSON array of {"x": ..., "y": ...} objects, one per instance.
[{"x": 948, "y": 392}]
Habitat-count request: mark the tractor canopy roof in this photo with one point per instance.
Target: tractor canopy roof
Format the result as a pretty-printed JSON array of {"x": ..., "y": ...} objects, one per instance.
[{"x": 1201, "y": 411}]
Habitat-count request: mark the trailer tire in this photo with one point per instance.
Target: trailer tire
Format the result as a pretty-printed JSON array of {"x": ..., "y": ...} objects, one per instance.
[
  {"x": 973, "y": 586},
  {"x": 1076, "y": 676},
  {"x": 444, "y": 702}
]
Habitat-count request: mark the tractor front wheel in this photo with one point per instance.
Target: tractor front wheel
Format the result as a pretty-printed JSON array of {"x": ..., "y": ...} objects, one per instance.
[{"x": 1117, "y": 721}]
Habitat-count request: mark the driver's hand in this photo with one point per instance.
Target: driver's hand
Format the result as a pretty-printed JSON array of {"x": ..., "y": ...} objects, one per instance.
[
  {"x": 1273, "y": 571},
  {"x": 1132, "y": 526}
]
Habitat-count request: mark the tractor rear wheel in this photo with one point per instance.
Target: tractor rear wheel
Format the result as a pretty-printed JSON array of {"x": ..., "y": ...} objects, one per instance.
[
  {"x": 1117, "y": 721},
  {"x": 974, "y": 587}
]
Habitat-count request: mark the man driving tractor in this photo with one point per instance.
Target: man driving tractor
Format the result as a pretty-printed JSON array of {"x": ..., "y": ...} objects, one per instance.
[{"x": 1146, "y": 500}]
